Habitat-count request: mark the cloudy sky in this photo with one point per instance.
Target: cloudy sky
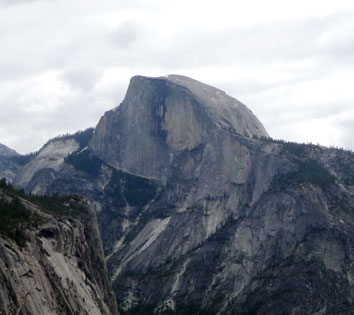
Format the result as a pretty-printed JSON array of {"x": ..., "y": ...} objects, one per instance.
[{"x": 63, "y": 63}]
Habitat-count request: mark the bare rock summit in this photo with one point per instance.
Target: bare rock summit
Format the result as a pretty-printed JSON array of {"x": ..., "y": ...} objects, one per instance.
[{"x": 161, "y": 116}]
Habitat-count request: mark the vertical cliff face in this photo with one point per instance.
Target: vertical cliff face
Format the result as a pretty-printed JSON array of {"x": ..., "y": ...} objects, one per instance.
[
  {"x": 234, "y": 215},
  {"x": 51, "y": 262},
  {"x": 160, "y": 117},
  {"x": 201, "y": 213}
]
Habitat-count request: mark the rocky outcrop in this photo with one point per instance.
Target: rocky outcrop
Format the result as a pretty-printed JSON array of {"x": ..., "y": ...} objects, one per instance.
[
  {"x": 6, "y": 151},
  {"x": 160, "y": 117},
  {"x": 8, "y": 167},
  {"x": 50, "y": 157},
  {"x": 60, "y": 267},
  {"x": 39, "y": 169},
  {"x": 280, "y": 241},
  {"x": 201, "y": 212}
]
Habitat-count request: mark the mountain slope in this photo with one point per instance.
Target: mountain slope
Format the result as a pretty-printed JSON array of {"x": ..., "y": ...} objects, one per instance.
[
  {"x": 201, "y": 212},
  {"x": 8, "y": 167},
  {"x": 51, "y": 259},
  {"x": 286, "y": 249},
  {"x": 6, "y": 151}
]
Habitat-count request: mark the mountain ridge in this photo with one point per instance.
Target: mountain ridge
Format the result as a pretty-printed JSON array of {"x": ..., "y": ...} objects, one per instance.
[
  {"x": 6, "y": 151},
  {"x": 202, "y": 215}
]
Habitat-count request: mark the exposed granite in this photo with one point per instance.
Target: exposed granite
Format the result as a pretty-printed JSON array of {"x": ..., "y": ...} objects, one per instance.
[
  {"x": 200, "y": 212},
  {"x": 61, "y": 268}
]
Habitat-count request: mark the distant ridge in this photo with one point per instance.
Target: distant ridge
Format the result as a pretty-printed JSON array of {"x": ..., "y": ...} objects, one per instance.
[{"x": 6, "y": 151}]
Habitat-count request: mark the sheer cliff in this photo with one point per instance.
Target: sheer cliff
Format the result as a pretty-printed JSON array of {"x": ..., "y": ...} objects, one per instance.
[
  {"x": 160, "y": 117},
  {"x": 51, "y": 257},
  {"x": 200, "y": 212}
]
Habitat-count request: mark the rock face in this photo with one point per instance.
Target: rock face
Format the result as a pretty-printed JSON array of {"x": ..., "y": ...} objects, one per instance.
[
  {"x": 201, "y": 212},
  {"x": 160, "y": 117},
  {"x": 50, "y": 157},
  {"x": 8, "y": 168},
  {"x": 60, "y": 269},
  {"x": 6, "y": 151}
]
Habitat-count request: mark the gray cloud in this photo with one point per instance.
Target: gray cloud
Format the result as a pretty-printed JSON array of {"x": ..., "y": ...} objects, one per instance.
[
  {"x": 82, "y": 76},
  {"x": 13, "y": 2},
  {"x": 16, "y": 2},
  {"x": 346, "y": 129},
  {"x": 126, "y": 35},
  {"x": 62, "y": 64}
]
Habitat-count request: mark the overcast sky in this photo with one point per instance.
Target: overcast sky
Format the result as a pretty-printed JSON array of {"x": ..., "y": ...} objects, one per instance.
[{"x": 63, "y": 63}]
